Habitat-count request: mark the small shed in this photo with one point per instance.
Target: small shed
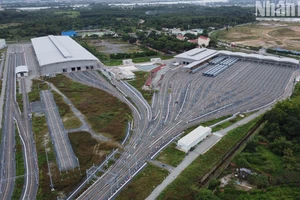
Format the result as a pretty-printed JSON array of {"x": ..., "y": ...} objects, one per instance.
[
  {"x": 193, "y": 138},
  {"x": 21, "y": 70}
]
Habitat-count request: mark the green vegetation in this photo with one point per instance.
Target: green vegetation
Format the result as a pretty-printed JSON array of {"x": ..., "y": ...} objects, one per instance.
[
  {"x": 112, "y": 62},
  {"x": 273, "y": 155},
  {"x": 109, "y": 120},
  {"x": 171, "y": 156},
  {"x": 229, "y": 122},
  {"x": 20, "y": 169},
  {"x": 188, "y": 181},
  {"x": 69, "y": 119},
  {"x": 214, "y": 121},
  {"x": 143, "y": 184},
  {"x": 19, "y": 97},
  {"x": 72, "y": 14},
  {"x": 88, "y": 150},
  {"x": 17, "y": 25},
  {"x": 36, "y": 87},
  {"x": 139, "y": 82}
]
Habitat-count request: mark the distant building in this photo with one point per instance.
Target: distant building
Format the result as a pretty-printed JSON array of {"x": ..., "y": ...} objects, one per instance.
[
  {"x": 180, "y": 37},
  {"x": 69, "y": 33},
  {"x": 203, "y": 41},
  {"x": 2, "y": 43},
  {"x": 193, "y": 41}
]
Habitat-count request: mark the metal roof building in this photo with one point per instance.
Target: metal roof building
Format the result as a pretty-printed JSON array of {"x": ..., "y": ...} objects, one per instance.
[
  {"x": 58, "y": 54},
  {"x": 197, "y": 54},
  {"x": 193, "y": 138},
  {"x": 261, "y": 57},
  {"x": 70, "y": 33}
]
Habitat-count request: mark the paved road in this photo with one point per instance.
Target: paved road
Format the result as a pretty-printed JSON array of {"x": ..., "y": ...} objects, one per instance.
[
  {"x": 8, "y": 165},
  {"x": 65, "y": 156}
]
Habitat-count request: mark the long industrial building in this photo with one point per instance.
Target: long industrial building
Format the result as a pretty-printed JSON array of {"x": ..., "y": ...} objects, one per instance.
[
  {"x": 58, "y": 54},
  {"x": 193, "y": 138},
  {"x": 199, "y": 56}
]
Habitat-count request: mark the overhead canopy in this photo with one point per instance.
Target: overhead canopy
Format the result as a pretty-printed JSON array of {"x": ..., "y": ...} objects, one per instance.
[
  {"x": 260, "y": 57},
  {"x": 22, "y": 69}
]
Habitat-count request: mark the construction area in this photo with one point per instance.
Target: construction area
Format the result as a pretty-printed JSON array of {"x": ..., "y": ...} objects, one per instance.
[{"x": 266, "y": 34}]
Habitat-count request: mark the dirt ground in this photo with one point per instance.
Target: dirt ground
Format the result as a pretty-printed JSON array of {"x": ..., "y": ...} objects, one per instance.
[
  {"x": 110, "y": 46},
  {"x": 265, "y": 34}
]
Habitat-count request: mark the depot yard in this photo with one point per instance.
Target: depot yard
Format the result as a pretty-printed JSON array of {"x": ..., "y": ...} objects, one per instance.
[{"x": 266, "y": 34}]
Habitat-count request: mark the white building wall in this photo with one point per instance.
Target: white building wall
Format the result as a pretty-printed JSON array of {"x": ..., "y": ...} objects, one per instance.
[
  {"x": 70, "y": 66},
  {"x": 2, "y": 43},
  {"x": 186, "y": 146},
  {"x": 202, "y": 41},
  {"x": 184, "y": 61}
]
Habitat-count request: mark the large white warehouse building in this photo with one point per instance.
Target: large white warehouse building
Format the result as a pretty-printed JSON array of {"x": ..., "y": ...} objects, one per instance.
[
  {"x": 193, "y": 138},
  {"x": 58, "y": 54}
]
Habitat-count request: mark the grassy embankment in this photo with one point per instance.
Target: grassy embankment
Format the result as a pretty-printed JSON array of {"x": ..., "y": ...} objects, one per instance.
[
  {"x": 70, "y": 120},
  {"x": 20, "y": 170},
  {"x": 187, "y": 183},
  {"x": 106, "y": 114},
  {"x": 143, "y": 184},
  {"x": 139, "y": 82}
]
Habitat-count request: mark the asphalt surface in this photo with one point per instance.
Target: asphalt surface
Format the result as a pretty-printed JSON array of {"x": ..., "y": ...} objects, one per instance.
[
  {"x": 65, "y": 156},
  {"x": 13, "y": 115},
  {"x": 184, "y": 100},
  {"x": 8, "y": 165}
]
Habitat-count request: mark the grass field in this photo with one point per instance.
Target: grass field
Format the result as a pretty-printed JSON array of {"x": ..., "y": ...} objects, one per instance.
[
  {"x": 171, "y": 156},
  {"x": 266, "y": 34},
  {"x": 69, "y": 119},
  {"x": 9, "y": 25},
  {"x": 105, "y": 113},
  {"x": 139, "y": 82},
  {"x": 187, "y": 183},
  {"x": 143, "y": 184},
  {"x": 112, "y": 46}
]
